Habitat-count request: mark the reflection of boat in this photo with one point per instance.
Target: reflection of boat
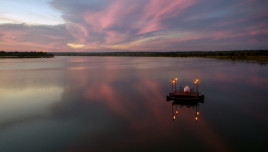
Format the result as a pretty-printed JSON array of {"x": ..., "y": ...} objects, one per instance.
[
  {"x": 178, "y": 104},
  {"x": 185, "y": 98}
]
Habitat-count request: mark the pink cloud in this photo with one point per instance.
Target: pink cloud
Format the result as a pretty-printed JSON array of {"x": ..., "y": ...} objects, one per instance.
[
  {"x": 25, "y": 38},
  {"x": 78, "y": 31},
  {"x": 115, "y": 37},
  {"x": 141, "y": 16},
  {"x": 158, "y": 10},
  {"x": 129, "y": 25},
  {"x": 103, "y": 19}
]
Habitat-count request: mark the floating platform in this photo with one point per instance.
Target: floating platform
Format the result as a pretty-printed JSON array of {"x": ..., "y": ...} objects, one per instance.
[
  {"x": 190, "y": 97},
  {"x": 186, "y": 95}
]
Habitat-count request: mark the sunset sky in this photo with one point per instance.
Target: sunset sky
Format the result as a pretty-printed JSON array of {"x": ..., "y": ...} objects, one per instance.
[{"x": 133, "y": 25}]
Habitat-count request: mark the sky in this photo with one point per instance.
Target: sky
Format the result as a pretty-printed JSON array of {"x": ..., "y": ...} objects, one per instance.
[{"x": 133, "y": 25}]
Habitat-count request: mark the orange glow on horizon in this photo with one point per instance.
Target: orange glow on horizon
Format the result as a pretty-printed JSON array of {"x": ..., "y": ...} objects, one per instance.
[{"x": 75, "y": 46}]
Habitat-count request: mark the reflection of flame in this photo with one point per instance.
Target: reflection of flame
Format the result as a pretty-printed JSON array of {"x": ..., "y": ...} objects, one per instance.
[{"x": 185, "y": 104}]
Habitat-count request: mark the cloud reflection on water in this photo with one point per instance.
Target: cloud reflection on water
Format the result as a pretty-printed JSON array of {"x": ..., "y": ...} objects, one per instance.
[
  {"x": 121, "y": 101},
  {"x": 135, "y": 100}
]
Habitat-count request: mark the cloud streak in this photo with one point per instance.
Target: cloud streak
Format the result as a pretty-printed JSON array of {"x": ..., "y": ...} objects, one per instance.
[{"x": 147, "y": 25}]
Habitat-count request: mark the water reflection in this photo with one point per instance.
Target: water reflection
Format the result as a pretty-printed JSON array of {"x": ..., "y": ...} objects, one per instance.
[
  {"x": 27, "y": 91},
  {"x": 88, "y": 101},
  {"x": 178, "y": 105}
]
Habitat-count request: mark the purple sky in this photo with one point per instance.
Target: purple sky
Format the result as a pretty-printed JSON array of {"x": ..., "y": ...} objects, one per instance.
[{"x": 133, "y": 25}]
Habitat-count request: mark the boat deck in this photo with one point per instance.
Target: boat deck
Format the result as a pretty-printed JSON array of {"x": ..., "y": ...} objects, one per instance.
[
  {"x": 181, "y": 93},
  {"x": 186, "y": 96}
]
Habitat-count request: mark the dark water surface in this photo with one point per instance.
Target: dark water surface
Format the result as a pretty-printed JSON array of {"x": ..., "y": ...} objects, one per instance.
[{"x": 77, "y": 104}]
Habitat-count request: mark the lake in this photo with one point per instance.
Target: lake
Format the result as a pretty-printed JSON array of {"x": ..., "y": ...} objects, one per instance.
[{"x": 79, "y": 104}]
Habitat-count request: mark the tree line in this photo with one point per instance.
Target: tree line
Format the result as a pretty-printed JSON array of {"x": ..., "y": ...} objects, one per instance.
[
  {"x": 31, "y": 54},
  {"x": 235, "y": 54}
]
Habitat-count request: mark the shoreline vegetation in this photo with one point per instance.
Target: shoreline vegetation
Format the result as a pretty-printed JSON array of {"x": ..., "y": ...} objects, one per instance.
[
  {"x": 31, "y": 54},
  {"x": 260, "y": 56}
]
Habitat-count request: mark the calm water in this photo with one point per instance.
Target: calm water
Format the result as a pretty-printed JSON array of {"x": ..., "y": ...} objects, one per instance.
[{"x": 77, "y": 104}]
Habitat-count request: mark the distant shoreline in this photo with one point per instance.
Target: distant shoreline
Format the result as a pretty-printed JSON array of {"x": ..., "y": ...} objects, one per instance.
[
  {"x": 233, "y": 54},
  {"x": 32, "y": 54},
  {"x": 260, "y": 56},
  {"x": 248, "y": 55}
]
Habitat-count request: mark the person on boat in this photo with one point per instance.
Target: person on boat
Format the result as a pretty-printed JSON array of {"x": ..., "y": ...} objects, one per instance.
[{"x": 187, "y": 89}]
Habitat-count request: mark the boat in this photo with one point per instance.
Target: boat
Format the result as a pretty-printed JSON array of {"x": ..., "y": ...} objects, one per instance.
[
  {"x": 186, "y": 94},
  {"x": 185, "y": 98}
]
